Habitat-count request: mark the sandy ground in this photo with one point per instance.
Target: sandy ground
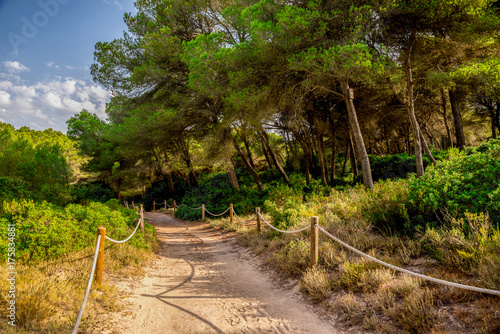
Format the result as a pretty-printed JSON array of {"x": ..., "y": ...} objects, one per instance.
[{"x": 203, "y": 282}]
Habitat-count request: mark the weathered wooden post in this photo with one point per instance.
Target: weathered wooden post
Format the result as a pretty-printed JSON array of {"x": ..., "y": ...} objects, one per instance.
[
  {"x": 100, "y": 255},
  {"x": 175, "y": 206},
  {"x": 154, "y": 206},
  {"x": 314, "y": 241},
  {"x": 203, "y": 212},
  {"x": 257, "y": 213},
  {"x": 231, "y": 213},
  {"x": 142, "y": 219},
  {"x": 165, "y": 204},
  {"x": 133, "y": 204}
]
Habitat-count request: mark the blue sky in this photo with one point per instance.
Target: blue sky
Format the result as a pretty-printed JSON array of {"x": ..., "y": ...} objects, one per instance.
[{"x": 46, "y": 49}]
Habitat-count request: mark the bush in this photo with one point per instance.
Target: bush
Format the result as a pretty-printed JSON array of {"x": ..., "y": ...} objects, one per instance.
[
  {"x": 45, "y": 231},
  {"x": 92, "y": 192},
  {"x": 467, "y": 182}
]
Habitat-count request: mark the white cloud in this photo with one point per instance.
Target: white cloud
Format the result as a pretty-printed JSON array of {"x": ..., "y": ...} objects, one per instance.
[
  {"x": 49, "y": 103},
  {"x": 51, "y": 64},
  {"x": 4, "y": 98},
  {"x": 15, "y": 67}
]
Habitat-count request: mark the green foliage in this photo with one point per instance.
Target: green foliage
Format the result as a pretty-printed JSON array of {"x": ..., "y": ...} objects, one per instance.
[
  {"x": 216, "y": 193},
  {"x": 37, "y": 160},
  {"x": 45, "y": 231},
  {"x": 92, "y": 192},
  {"x": 466, "y": 182}
]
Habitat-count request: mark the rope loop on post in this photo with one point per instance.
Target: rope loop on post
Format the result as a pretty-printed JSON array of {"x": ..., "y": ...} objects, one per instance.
[
  {"x": 432, "y": 279},
  {"x": 282, "y": 231},
  {"x": 248, "y": 221},
  {"x": 122, "y": 241},
  {"x": 217, "y": 215}
]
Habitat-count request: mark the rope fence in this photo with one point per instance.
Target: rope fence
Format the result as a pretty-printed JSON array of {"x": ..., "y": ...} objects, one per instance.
[
  {"x": 315, "y": 227},
  {"x": 98, "y": 263},
  {"x": 165, "y": 205}
]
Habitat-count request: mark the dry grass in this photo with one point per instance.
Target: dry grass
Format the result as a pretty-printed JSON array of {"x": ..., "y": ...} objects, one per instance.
[
  {"x": 370, "y": 296},
  {"x": 49, "y": 294},
  {"x": 416, "y": 314},
  {"x": 316, "y": 282}
]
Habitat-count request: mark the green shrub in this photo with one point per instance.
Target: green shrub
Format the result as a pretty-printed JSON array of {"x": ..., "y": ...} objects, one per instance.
[
  {"x": 45, "y": 231},
  {"x": 92, "y": 192},
  {"x": 466, "y": 182}
]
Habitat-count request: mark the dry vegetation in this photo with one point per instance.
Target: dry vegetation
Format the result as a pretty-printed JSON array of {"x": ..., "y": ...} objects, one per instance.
[
  {"x": 50, "y": 293},
  {"x": 368, "y": 296}
]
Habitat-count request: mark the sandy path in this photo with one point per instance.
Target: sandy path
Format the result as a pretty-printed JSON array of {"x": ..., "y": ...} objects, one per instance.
[{"x": 203, "y": 282}]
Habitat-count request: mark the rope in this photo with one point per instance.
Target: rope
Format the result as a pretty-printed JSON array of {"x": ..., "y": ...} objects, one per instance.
[
  {"x": 432, "y": 279},
  {"x": 159, "y": 203},
  {"x": 121, "y": 242},
  {"x": 89, "y": 284},
  {"x": 282, "y": 231},
  {"x": 220, "y": 214},
  {"x": 196, "y": 208},
  {"x": 248, "y": 221}
]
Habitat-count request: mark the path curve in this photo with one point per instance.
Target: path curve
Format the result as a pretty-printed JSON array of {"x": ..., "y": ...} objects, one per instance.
[{"x": 203, "y": 282}]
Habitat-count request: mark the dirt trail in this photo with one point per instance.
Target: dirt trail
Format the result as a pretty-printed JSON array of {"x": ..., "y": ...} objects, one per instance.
[{"x": 203, "y": 282}]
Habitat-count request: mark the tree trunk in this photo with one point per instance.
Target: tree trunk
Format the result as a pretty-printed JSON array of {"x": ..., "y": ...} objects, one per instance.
[
  {"x": 445, "y": 118},
  {"x": 457, "y": 118},
  {"x": 249, "y": 153},
  {"x": 346, "y": 157},
  {"x": 411, "y": 105},
  {"x": 266, "y": 155},
  {"x": 248, "y": 165},
  {"x": 354, "y": 163},
  {"x": 233, "y": 179},
  {"x": 273, "y": 157},
  {"x": 322, "y": 158},
  {"x": 426, "y": 147},
  {"x": 358, "y": 137},
  {"x": 170, "y": 182},
  {"x": 334, "y": 159},
  {"x": 307, "y": 158}
]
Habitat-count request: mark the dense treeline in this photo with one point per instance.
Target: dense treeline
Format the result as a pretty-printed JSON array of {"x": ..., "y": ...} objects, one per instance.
[{"x": 217, "y": 85}]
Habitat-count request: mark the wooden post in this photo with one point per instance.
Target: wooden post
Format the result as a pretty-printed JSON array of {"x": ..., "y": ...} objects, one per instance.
[
  {"x": 133, "y": 204},
  {"x": 154, "y": 206},
  {"x": 100, "y": 255},
  {"x": 203, "y": 212},
  {"x": 175, "y": 206},
  {"x": 231, "y": 213},
  {"x": 314, "y": 241},
  {"x": 142, "y": 219},
  {"x": 165, "y": 204},
  {"x": 259, "y": 226}
]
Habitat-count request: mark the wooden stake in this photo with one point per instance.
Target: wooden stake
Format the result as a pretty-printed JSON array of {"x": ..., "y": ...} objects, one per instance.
[
  {"x": 142, "y": 219},
  {"x": 231, "y": 213},
  {"x": 314, "y": 241},
  {"x": 100, "y": 255},
  {"x": 175, "y": 206},
  {"x": 133, "y": 206},
  {"x": 165, "y": 203},
  {"x": 259, "y": 226},
  {"x": 203, "y": 212},
  {"x": 154, "y": 206}
]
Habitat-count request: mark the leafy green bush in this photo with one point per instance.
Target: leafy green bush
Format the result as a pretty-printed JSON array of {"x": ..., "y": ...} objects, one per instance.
[
  {"x": 92, "y": 192},
  {"x": 45, "y": 231},
  {"x": 467, "y": 182}
]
